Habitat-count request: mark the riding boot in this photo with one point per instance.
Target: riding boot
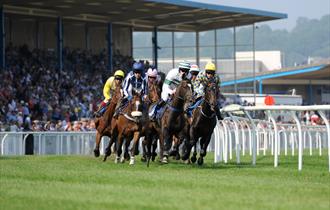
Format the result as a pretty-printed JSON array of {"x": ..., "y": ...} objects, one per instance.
[{"x": 101, "y": 109}]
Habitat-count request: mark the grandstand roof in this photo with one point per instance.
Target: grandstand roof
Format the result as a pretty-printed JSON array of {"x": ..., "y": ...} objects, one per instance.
[
  {"x": 314, "y": 74},
  {"x": 171, "y": 15}
]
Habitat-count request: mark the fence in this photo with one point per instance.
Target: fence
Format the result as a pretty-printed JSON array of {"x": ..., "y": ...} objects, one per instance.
[
  {"x": 241, "y": 134},
  {"x": 59, "y": 143},
  {"x": 259, "y": 135}
]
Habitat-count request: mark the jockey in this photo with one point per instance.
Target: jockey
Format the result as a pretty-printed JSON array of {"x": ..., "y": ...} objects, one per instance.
[
  {"x": 172, "y": 80},
  {"x": 135, "y": 80},
  {"x": 199, "y": 83},
  {"x": 153, "y": 76},
  {"x": 194, "y": 70},
  {"x": 108, "y": 90}
]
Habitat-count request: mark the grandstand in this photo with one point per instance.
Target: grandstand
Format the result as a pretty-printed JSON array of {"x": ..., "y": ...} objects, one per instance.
[{"x": 54, "y": 50}]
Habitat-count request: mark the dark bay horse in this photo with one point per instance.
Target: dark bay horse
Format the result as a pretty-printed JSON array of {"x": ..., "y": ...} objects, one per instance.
[
  {"x": 103, "y": 124},
  {"x": 174, "y": 121},
  {"x": 203, "y": 123},
  {"x": 127, "y": 126}
]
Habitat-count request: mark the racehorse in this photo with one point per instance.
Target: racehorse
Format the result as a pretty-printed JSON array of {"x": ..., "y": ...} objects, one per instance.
[
  {"x": 103, "y": 124},
  {"x": 151, "y": 129},
  {"x": 128, "y": 126},
  {"x": 203, "y": 122},
  {"x": 173, "y": 121}
]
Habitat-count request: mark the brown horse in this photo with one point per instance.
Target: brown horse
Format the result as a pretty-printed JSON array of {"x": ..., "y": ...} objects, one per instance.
[
  {"x": 174, "y": 122},
  {"x": 151, "y": 129},
  {"x": 127, "y": 126},
  {"x": 103, "y": 124},
  {"x": 203, "y": 123}
]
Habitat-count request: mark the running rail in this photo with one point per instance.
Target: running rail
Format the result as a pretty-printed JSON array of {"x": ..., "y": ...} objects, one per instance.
[{"x": 232, "y": 109}]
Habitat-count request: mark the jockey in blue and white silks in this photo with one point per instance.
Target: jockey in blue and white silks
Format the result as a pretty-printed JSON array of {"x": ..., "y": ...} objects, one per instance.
[{"x": 135, "y": 80}]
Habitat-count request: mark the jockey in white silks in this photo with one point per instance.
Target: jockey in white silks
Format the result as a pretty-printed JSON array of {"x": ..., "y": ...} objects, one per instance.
[{"x": 172, "y": 80}]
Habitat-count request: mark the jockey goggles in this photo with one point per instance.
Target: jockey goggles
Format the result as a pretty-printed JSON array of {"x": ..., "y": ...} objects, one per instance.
[
  {"x": 137, "y": 71},
  {"x": 210, "y": 72},
  {"x": 118, "y": 78}
]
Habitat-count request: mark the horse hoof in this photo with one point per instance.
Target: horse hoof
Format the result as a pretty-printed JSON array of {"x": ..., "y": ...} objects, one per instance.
[
  {"x": 165, "y": 161},
  {"x": 153, "y": 158},
  {"x": 122, "y": 160},
  {"x": 193, "y": 159},
  {"x": 200, "y": 161},
  {"x": 143, "y": 159},
  {"x": 96, "y": 153},
  {"x": 117, "y": 160},
  {"x": 132, "y": 161}
]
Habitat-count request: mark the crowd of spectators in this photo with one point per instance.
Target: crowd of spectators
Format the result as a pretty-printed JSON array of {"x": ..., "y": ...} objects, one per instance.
[{"x": 36, "y": 95}]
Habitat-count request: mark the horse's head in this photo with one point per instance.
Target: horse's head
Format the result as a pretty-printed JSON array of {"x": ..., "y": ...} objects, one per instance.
[
  {"x": 211, "y": 93},
  {"x": 117, "y": 94},
  {"x": 136, "y": 103},
  {"x": 154, "y": 92},
  {"x": 184, "y": 93}
]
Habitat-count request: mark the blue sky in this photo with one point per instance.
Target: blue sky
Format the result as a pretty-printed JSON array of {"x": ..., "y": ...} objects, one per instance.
[{"x": 294, "y": 8}]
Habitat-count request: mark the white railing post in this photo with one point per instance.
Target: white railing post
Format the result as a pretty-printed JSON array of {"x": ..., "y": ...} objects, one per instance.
[
  {"x": 300, "y": 138},
  {"x": 274, "y": 146},
  {"x": 328, "y": 132}
]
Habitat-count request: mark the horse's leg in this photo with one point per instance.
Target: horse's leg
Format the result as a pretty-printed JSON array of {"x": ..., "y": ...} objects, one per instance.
[
  {"x": 136, "y": 138},
  {"x": 127, "y": 143},
  {"x": 181, "y": 140},
  {"x": 175, "y": 146},
  {"x": 205, "y": 140},
  {"x": 161, "y": 146},
  {"x": 144, "y": 149},
  {"x": 190, "y": 142},
  {"x": 97, "y": 144},
  {"x": 167, "y": 140},
  {"x": 194, "y": 155},
  {"x": 119, "y": 147},
  {"x": 108, "y": 150}
]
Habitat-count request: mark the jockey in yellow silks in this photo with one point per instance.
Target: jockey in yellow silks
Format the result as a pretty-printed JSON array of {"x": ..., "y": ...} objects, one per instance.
[{"x": 109, "y": 89}]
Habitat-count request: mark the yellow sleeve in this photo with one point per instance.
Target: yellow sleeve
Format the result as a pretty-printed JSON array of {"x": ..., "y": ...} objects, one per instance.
[{"x": 107, "y": 88}]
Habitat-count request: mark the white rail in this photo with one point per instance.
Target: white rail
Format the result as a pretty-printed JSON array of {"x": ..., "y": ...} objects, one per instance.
[
  {"x": 268, "y": 133},
  {"x": 14, "y": 143}
]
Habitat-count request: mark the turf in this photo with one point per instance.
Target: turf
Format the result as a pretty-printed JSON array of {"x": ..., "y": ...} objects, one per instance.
[{"x": 85, "y": 182}]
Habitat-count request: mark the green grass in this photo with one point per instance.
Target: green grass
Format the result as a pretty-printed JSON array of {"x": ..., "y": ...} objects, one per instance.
[{"x": 85, "y": 182}]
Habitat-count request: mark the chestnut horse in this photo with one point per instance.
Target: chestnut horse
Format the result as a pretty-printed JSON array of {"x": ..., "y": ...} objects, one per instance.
[
  {"x": 174, "y": 121},
  {"x": 128, "y": 126},
  {"x": 203, "y": 122},
  {"x": 103, "y": 124}
]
